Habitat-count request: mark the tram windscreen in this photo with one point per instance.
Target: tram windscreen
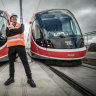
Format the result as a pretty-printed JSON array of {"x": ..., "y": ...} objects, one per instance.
[
  {"x": 3, "y": 24},
  {"x": 59, "y": 22}
]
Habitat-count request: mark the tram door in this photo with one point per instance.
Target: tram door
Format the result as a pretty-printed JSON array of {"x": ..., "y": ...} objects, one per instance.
[{"x": 38, "y": 38}]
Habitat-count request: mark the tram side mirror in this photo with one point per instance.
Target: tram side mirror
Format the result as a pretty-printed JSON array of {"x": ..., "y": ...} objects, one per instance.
[{"x": 30, "y": 22}]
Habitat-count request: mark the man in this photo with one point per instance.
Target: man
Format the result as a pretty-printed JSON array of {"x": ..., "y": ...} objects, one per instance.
[{"x": 16, "y": 44}]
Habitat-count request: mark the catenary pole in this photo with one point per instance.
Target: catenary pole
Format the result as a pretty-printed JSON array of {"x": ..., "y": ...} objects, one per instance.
[{"x": 21, "y": 14}]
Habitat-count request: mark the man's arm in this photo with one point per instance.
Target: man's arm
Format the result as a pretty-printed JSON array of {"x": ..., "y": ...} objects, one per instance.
[
  {"x": 19, "y": 30},
  {"x": 13, "y": 32},
  {"x": 9, "y": 33}
]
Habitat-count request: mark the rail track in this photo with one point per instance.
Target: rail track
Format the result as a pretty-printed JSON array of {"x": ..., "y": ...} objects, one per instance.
[
  {"x": 89, "y": 66},
  {"x": 84, "y": 91},
  {"x": 77, "y": 86}
]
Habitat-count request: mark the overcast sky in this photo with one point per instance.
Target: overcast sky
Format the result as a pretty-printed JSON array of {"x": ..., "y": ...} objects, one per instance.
[{"x": 84, "y": 10}]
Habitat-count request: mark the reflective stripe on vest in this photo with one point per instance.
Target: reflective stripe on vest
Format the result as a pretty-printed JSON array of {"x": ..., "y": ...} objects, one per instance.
[{"x": 15, "y": 38}]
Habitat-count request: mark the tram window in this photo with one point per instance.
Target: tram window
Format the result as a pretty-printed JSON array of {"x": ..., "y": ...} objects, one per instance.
[
  {"x": 66, "y": 28},
  {"x": 56, "y": 23},
  {"x": 52, "y": 24},
  {"x": 3, "y": 25},
  {"x": 36, "y": 31},
  {"x": 33, "y": 28}
]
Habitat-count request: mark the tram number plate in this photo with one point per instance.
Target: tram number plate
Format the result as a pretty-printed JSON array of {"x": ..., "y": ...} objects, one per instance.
[{"x": 71, "y": 54}]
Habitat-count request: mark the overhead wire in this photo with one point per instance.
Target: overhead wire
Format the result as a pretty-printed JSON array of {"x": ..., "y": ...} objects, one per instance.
[
  {"x": 3, "y": 5},
  {"x": 38, "y": 5}
]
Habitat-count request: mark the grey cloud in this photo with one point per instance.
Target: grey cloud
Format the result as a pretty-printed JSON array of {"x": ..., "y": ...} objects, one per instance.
[{"x": 87, "y": 21}]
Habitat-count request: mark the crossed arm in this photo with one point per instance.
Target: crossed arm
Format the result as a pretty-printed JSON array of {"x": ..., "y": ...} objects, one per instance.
[{"x": 13, "y": 32}]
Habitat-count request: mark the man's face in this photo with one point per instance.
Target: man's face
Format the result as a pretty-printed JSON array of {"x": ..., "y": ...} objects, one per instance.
[{"x": 14, "y": 19}]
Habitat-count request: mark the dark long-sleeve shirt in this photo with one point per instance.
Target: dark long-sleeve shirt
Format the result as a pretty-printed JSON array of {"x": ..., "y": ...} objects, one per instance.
[{"x": 13, "y": 32}]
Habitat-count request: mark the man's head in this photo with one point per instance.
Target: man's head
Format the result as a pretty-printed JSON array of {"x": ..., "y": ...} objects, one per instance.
[{"x": 13, "y": 18}]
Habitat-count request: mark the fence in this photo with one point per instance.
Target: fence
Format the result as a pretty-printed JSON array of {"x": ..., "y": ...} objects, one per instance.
[{"x": 89, "y": 38}]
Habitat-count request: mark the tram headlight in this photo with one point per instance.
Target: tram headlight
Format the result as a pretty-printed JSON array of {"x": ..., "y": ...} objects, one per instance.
[{"x": 49, "y": 44}]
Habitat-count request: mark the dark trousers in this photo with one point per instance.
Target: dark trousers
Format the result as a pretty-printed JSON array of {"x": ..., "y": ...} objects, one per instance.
[{"x": 22, "y": 54}]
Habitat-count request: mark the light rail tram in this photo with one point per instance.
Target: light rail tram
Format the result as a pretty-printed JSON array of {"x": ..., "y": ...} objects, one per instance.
[
  {"x": 4, "y": 22},
  {"x": 55, "y": 34}
]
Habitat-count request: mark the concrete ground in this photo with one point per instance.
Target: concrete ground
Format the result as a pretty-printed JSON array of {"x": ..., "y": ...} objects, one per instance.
[
  {"x": 45, "y": 85},
  {"x": 48, "y": 84},
  {"x": 83, "y": 75}
]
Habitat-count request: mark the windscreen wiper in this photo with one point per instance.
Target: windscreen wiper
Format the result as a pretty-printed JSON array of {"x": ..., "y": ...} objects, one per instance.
[{"x": 61, "y": 36}]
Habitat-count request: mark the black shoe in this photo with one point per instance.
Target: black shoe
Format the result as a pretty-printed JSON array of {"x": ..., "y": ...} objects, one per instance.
[
  {"x": 31, "y": 82},
  {"x": 9, "y": 81}
]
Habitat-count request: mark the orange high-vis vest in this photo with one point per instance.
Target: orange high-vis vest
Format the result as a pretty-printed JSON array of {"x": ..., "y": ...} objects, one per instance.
[{"x": 16, "y": 39}]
